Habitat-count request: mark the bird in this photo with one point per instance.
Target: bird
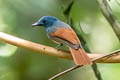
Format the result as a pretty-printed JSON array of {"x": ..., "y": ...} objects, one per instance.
[{"x": 62, "y": 33}]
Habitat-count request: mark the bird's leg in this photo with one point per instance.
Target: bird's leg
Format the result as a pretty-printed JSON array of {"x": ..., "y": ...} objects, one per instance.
[{"x": 58, "y": 46}]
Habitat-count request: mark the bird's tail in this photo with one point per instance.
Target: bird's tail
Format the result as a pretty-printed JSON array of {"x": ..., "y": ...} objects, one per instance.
[{"x": 80, "y": 57}]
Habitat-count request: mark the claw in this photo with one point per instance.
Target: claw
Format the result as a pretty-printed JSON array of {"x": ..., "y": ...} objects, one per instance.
[{"x": 58, "y": 46}]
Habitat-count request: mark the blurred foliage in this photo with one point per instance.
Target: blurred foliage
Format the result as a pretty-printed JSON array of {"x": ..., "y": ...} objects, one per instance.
[{"x": 16, "y": 17}]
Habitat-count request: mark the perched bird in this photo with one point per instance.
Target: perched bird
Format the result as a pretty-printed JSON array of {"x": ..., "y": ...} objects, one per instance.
[{"x": 64, "y": 34}]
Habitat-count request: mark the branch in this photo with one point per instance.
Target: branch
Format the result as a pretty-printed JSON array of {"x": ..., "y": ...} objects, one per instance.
[
  {"x": 115, "y": 53},
  {"x": 108, "y": 14},
  {"x": 34, "y": 46},
  {"x": 42, "y": 49},
  {"x": 64, "y": 72}
]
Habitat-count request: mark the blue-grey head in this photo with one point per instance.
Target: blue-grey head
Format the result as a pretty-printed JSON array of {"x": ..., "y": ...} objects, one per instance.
[{"x": 46, "y": 21}]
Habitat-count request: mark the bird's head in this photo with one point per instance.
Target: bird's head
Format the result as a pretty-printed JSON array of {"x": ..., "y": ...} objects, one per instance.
[{"x": 46, "y": 21}]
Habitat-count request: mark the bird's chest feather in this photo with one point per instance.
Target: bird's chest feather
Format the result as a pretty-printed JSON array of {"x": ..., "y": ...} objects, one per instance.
[{"x": 49, "y": 30}]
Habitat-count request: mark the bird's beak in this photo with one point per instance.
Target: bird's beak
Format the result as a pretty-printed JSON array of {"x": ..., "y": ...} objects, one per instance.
[{"x": 37, "y": 24}]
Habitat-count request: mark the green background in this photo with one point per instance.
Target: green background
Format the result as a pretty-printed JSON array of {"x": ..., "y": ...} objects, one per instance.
[{"x": 16, "y": 18}]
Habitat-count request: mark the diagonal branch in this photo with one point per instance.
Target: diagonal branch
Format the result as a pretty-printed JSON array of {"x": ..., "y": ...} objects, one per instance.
[
  {"x": 111, "y": 18},
  {"x": 78, "y": 66}
]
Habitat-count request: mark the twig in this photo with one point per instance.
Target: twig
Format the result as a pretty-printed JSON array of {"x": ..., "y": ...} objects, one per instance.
[
  {"x": 64, "y": 72},
  {"x": 107, "y": 56},
  {"x": 77, "y": 66}
]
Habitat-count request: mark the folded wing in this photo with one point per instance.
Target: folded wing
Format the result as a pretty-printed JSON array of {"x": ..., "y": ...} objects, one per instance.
[{"x": 67, "y": 36}]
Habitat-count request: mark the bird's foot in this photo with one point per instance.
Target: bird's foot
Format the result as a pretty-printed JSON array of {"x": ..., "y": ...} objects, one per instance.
[{"x": 58, "y": 46}]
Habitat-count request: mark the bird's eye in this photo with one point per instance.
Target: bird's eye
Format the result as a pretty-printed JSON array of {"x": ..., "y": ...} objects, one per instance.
[{"x": 44, "y": 21}]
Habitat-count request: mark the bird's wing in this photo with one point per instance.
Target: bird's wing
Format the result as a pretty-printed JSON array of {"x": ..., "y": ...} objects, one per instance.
[{"x": 66, "y": 36}]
